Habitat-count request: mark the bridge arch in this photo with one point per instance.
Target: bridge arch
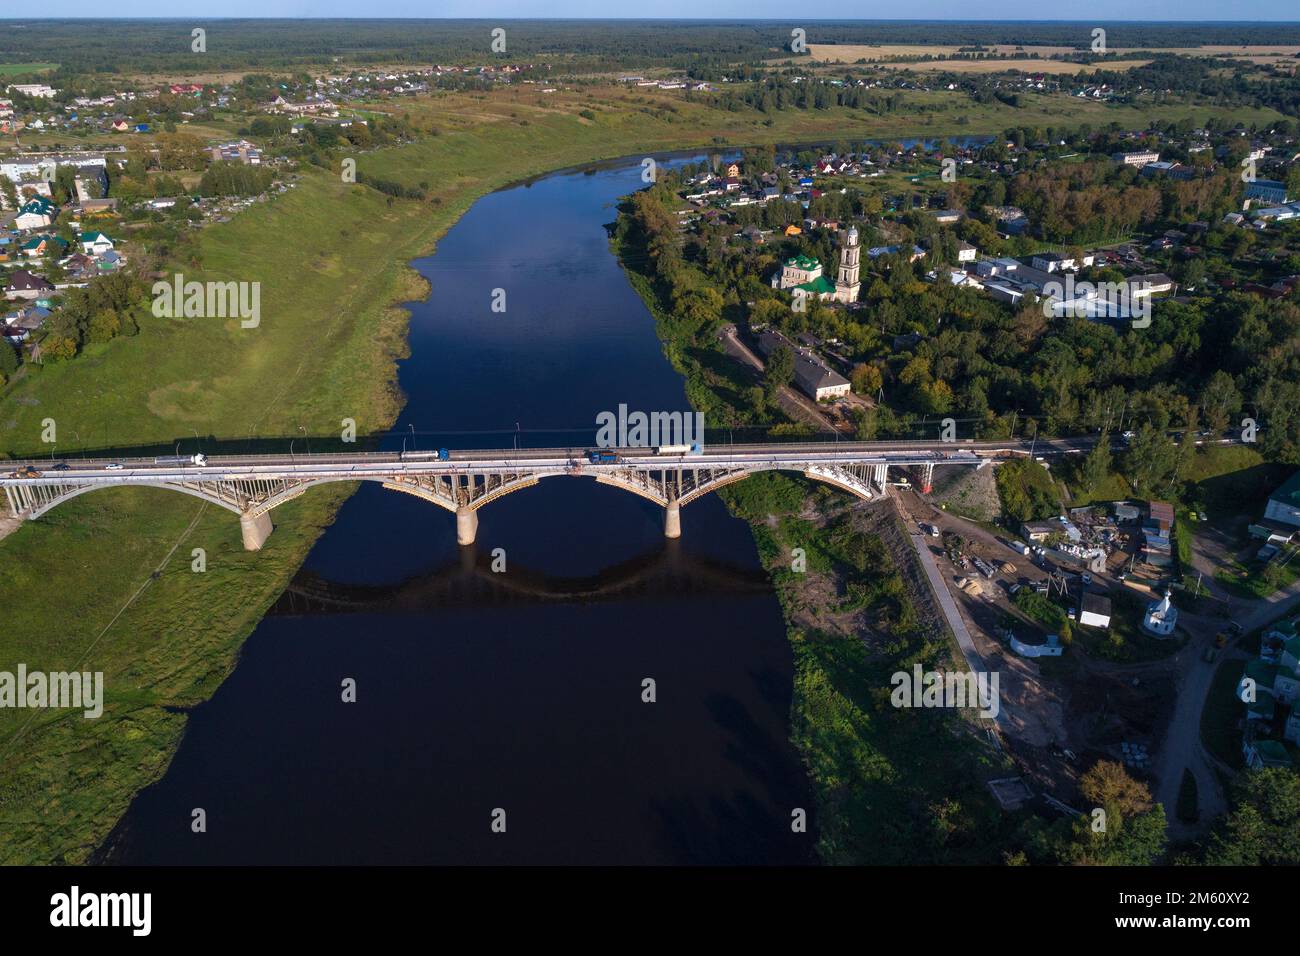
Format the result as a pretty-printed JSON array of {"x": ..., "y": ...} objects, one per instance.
[
  {"x": 670, "y": 484},
  {"x": 66, "y": 493}
]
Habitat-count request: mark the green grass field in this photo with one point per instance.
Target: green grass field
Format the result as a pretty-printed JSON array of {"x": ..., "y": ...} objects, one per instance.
[{"x": 18, "y": 69}]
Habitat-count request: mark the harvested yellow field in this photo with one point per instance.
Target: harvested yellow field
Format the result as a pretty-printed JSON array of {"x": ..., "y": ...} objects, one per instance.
[
  {"x": 1245, "y": 50},
  {"x": 848, "y": 53},
  {"x": 1055, "y": 67},
  {"x": 851, "y": 53}
]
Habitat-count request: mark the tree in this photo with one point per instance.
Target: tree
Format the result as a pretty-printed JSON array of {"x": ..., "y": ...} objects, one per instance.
[
  {"x": 1150, "y": 459},
  {"x": 1096, "y": 467},
  {"x": 768, "y": 312},
  {"x": 1107, "y": 784},
  {"x": 1263, "y": 826},
  {"x": 103, "y": 327},
  {"x": 1132, "y": 828},
  {"x": 8, "y": 358},
  {"x": 1067, "y": 633},
  {"x": 1220, "y": 400},
  {"x": 780, "y": 370},
  {"x": 866, "y": 380},
  {"x": 59, "y": 347}
]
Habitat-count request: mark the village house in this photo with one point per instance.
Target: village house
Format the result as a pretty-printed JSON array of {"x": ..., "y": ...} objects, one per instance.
[
  {"x": 1284, "y": 504},
  {"x": 38, "y": 90},
  {"x": 240, "y": 152},
  {"x": 37, "y": 213},
  {"x": 1269, "y": 190},
  {"x": 811, "y": 376},
  {"x": 43, "y": 245},
  {"x": 1156, "y": 534},
  {"x": 1138, "y": 159},
  {"x": 1094, "y": 610},
  {"x": 95, "y": 243},
  {"x": 27, "y": 285}
]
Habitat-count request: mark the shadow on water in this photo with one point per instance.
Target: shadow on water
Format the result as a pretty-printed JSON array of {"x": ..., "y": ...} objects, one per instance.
[{"x": 478, "y": 579}]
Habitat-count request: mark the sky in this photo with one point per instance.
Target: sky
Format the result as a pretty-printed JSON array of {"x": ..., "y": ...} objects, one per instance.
[{"x": 959, "y": 10}]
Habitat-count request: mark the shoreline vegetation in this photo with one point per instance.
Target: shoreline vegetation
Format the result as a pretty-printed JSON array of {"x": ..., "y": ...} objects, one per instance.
[
  {"x": 105, "y": 582},
  {"x": 890, "y": 788}
]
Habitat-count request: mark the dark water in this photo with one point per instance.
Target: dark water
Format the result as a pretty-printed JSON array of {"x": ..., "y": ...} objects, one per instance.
[{"x": 519, "y": 691}]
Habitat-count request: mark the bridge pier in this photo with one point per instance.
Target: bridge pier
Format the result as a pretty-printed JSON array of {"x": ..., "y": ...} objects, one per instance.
[
  {"x": 466, "y": 524},
  {"x": 927, "y": 479},
  {"x": 673, "y": 520},
  {"x": 255, "y": 529}
]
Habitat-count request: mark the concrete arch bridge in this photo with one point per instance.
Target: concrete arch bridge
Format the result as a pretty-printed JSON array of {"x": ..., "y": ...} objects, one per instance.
[{"x": 252, "y": 486}]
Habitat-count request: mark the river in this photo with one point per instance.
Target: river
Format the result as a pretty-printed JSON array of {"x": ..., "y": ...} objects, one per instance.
[{"x": 520, "y": 690}]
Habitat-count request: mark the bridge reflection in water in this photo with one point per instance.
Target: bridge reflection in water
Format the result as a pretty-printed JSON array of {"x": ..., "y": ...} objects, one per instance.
[{"x": 470, "y": 581}]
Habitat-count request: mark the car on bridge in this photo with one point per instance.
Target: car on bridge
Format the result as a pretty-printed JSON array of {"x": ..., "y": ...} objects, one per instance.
[{"x": 26, "y": 472}]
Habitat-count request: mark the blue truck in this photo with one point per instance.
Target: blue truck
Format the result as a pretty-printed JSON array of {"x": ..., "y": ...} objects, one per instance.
[{"x": 601, "y": 457}]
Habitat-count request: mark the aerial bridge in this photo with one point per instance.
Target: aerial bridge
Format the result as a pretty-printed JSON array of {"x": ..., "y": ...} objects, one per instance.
[{"x": 252, "y": 486}]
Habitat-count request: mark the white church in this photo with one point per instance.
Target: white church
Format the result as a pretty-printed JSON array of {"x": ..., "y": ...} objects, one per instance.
[
  {"x": 1161, "y": 617},
  {"x": 805, "y": 273}
]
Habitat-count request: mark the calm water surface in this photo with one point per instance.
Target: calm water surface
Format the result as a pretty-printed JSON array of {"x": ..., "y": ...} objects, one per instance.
[{"x": 519, "y": 691}]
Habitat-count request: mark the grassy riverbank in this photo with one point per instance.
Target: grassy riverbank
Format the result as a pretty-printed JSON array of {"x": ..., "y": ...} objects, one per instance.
[{"x": 104, "y": 583}]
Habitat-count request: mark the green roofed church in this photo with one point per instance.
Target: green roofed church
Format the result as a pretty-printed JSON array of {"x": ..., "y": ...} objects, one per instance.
[{"x": 805, "y": 273}]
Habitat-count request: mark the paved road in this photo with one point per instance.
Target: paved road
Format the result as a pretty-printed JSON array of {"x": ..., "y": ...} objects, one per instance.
[
  {"x": 892, "y": 452},
  {"x": 371, "y": 464},
  {"x": 974, "y": 660},
  {"x": 1182, "y": 747}
]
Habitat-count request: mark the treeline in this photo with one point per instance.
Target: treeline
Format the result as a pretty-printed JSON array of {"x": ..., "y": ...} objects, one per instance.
[
  {"x": 391, "y": 188},
  {"x": 775, "y": 93}
]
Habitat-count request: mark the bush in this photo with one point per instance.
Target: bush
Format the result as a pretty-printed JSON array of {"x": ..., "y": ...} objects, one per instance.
[{"x": 1027, "y": 490}]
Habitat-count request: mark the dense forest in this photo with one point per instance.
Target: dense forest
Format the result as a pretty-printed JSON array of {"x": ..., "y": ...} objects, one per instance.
[{"x": 142, "y": 45}]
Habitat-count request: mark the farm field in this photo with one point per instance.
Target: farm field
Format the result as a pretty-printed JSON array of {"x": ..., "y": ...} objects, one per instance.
[
  {"x": 851, "y": 53},
  {"x": 1054, "y": 67},
  {"x": 18, "y": 69}
]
